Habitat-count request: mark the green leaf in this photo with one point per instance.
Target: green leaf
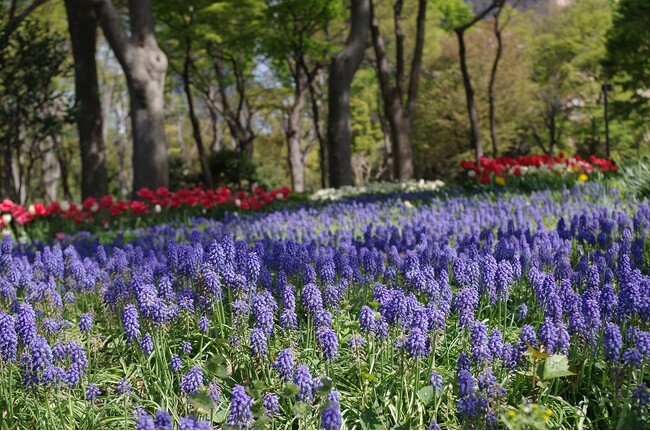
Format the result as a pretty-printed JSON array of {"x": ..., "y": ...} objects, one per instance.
[
  {"x": 426, "y": 394},
  {"x": 326, "y": 386},
  {"x": 369, "y": 377},
  {"x": 556, "y": 366},
  {"x": 221, "y": 416},
  {"x": 370, "y": 420},
  {"x": 300, "y": 409},
  {"x": 201, "y": 400},
  {"x": 222, "y": 371},
  {"x": 290, "y": 390}
]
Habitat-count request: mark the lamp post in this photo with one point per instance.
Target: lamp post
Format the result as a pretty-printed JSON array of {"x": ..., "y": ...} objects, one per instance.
[{"x": 606, "y": 88}]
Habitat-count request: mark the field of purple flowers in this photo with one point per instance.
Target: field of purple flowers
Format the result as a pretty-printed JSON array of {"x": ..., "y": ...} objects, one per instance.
[{"x": 409, "y": 311}]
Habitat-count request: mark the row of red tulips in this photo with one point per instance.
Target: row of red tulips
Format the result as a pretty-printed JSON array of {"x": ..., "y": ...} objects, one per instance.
[
  {"x": 92, "y": 209},
  {"x": 502, "y": 167}
]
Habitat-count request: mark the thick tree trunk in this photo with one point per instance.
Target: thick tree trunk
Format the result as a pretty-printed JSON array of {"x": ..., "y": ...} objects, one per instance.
[
  {"x": 342, "y": 69},
  {"x": 469, "y": 97},
  {"x": 294, "y": 138},
  {"x": 144, "y": 65},
  {"x": 83, "y": 36},
  {"x": 400, "y": 114},
  {"x": 196, "y": 127}
]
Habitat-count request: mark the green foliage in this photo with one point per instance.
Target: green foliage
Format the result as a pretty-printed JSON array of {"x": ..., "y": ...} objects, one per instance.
[
  {"x": 636, "y": 178},
  {"x": 33, "y": 109},
  {"x": 231, "y": 168}
]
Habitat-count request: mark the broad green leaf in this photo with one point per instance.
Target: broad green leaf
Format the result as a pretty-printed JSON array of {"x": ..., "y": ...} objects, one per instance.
[
  {"x": 556, "y": 366},
  {"x": 426, "y": 394}
]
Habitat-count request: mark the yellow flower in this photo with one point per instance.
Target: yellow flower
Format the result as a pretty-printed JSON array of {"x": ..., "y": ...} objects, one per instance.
[
  {"x": 511, "y": 413},
  {"x": 500, "y": 180},
  {"x": 549, "y": 412},
  {"x": 583, "y": 177}
]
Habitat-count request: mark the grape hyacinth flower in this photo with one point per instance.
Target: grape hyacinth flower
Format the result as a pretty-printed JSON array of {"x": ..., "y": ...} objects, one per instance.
[
  {"x": 146, "y": 344},
  {"x": 123, "y": 387},
  {"x": 131, "y": 322},
  {"x": 240, "y": 415},
  {"x": 163, "y": 420},
  {"x": 8, "y": 338},
  {"x": 305, "y": 383},
  {"x": 193, "y": 423},
  {"x": 328, "y": 344},
  {"x": 204, "y": 325},
  {"x": 417, "y": 343},
  {"x": 285, "y": 364},
  {"x": 271, "y": 404},
  {"x": 612, "y": 341},
  {"x": 26, "y": 324},
  {"x": 258, "y": 343},
  {"x": 175, "y": 364},
  {"x": 214, "y": 390},
  {"x": 331, "y": 417},
  {"x": 92, "y": 392},
  {"x": 367, "y": 319},
  {"x": 144, "y": 421},
  {"x": 86, "y": 323},
  {"x": 186, "y": 347},
  {"x": 436, "y": 381},
  {"x": 434, "y": 425},
  {"x": 356, "y": 341},
  {"x": 192, "y": 381}
]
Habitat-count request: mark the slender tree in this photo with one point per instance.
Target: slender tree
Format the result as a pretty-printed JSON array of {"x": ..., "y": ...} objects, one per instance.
[
  {"x": 82, "y": 25},
  {"x": 467, "y": 82},
  {"x": 400, "y": 111},
  {"x": 341, "y": 72},
  {"x": 498, "y": 29},
  {"x": 145, "y": 66}
]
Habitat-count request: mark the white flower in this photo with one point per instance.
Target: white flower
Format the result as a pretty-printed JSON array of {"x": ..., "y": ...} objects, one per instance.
[
  {"x": 237, "y": 202},
  {"x": 471, "y": 173},
  {"x": 31, "y": 210},
  {"x": 157, "y": 209},
  {"x": 94, "y": 208},
  {"x": 6, "y": 218},
  {"x": 279, "y": 196},
  {"x": 65, "y": 206}
]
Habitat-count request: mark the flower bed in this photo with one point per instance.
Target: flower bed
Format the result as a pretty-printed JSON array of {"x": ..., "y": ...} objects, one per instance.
[
  {"x": 503, "y": 171},
  {"x": 162, "y": 203},
  {"x": 466, "y": 313},
  {"x": 378, "y": 188}
]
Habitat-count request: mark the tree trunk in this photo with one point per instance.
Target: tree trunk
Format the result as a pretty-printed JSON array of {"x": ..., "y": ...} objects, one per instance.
[
  {"x": 469, "y": 97},
  {"x": 294, "y": 137},
  {"x": 400, "y": 114},
  {"x": 83, "y": 36},
  {"x": 342, "y": 69},
  {"x": 493, "y": 78},
  {"x": 196, "y": 127},
  {"x": 144, "y": 65}
]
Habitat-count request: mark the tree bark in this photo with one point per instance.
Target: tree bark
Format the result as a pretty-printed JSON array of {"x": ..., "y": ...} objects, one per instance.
[
  {"x": 145, "y": 66},
  {"x": 400, "y": 114},
  {"x": 469, "y": 97},
  {"x": 342, "y": 70},
  {"x": 467, "y": 82},
  {"x": 196, "y": 127},
  {"x": 82, "y": 25},
  {"x": 493, "y": 78},
  {"x": 294, "y": 134}
]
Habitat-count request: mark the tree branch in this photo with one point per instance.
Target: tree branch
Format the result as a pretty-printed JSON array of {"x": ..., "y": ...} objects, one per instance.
[
  {"x": 416, "y": 65},
  {"x": 380, "y": 54},
  {"x": 114, "y": 32}
]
